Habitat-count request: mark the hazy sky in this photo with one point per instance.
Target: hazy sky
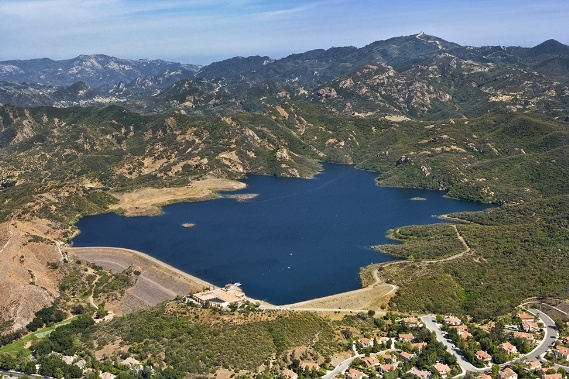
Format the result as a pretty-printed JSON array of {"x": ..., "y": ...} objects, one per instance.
[{"x": 203, "y": 31}]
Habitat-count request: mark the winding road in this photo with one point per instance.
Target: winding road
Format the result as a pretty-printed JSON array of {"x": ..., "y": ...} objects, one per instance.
[{"x": 550, "y": 337}]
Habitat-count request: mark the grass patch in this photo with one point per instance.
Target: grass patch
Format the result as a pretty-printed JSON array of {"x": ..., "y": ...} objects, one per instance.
[{"x": 15, "y": 347}]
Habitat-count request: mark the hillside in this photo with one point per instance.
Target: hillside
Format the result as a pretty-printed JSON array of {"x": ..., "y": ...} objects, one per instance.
[
  {"x": 484, "y": 124},
  {"x": 60, "y": 164}
]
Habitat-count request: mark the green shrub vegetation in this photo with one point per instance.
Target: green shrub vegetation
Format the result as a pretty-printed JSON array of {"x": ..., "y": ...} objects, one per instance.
[
  {"x": 517, "y": 252},
  {"x": 424, "y": 242},
  {"x": 200, "y": 340}
]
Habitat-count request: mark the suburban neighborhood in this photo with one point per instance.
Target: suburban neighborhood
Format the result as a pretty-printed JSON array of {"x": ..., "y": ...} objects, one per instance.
[{"x": 529, "y": 345}]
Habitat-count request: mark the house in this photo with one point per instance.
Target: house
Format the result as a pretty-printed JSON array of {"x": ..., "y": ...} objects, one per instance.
[
  {"x": 525, "y": 316},
  {"x": 131, "y": 362},
  {"x": 289, "y": 374},
  {"x": 407, "y": 356},
  {"x": 484, "y": 376},
  {"x": 524, "y": 335},
  {"x": 309, "y": 366},
  {"x": 388, "y": 358},
  {"x": 418, "y": 345},
  {"x": 370, "y": 361},
  {"x": 81, "y": 363},
  {"x": 533, "y": 365},
  {"x": 530, "y": 326},
  {"x": 459, "y": 328},
  {"x": 508, "y": 373},
  {"x": 107, "y": 375},
  {"x": 388, "y": 367},
  {"x": 483, "y": 356},
  {"x": 221, "y": 297},
  {"x": 365, "y": 342},
  {"x": 561, "y": 351},
  {"x": 67, "y": 359},
  {"x": 552, "y": 376},
  {"x": 412, "y": 322},
  {"x": 451, "y": 320},
  {"x": 354, "y": 374},
  {"x": 383, "y": 340},
  {"x": 406, "y": 337},
  {"x": 441, "y": 368},
  {"x": 508, "y": 348},
  {"x": 421, "y": 374}
]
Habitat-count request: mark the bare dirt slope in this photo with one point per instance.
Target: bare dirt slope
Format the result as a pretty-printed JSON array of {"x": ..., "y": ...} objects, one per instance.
[
  {"x": 27, "y": 284},
  {"x": 156, "y": 283},
  {"x": 362, "y": 299},
  {"x": 371, "y": 297}
]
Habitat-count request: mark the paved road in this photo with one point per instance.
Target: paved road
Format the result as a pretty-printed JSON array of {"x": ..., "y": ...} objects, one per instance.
[
  {"x": 341, "y": 367},
  {"x": 14, "y": 374},
  {"x": 287, "y": 308},
  {"x": 431, "y": 324},
  {"x": 551, "y": 335}
]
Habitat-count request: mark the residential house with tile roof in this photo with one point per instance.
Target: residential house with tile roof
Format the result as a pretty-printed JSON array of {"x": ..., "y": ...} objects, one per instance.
[
  {"x": 441, "y": 368},
  {"x": 451, "y": 320},
  {"x": 289, "y": 374},
  {"x": 483, "y": 356},
  {"x": 508, "y": 348},
  {"x": 561, "y": 351},
  {"x": 405, "y": 337},
  {"x": 370, "y": 361},
  {"x": 508, "y": 373},
  {"x": 354, "y": 374},
  {"x": 421, "y": 374}
]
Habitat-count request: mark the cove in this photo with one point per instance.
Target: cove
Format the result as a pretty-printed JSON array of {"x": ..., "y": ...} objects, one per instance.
[{"x": 298, "y": 239}]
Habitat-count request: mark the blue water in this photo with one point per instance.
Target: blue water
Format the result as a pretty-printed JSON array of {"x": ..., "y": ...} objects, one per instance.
[{"x": 299, "y": 239}]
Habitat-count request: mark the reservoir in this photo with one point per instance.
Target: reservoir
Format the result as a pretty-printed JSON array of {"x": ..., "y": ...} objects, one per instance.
[{"x": 298, "y": 239}]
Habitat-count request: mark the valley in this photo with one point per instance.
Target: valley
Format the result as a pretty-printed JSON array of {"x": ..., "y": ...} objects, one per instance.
[{"x": 484, "y": 124}]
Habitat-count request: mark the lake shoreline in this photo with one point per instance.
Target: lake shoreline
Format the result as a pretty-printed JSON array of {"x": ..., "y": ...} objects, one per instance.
[{"x": 226, "y": 241}]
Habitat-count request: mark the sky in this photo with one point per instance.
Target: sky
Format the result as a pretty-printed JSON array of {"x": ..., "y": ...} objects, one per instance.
[{"x": 205, "y": 31}]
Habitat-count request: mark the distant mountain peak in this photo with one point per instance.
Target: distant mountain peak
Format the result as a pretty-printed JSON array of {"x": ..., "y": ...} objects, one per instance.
[{"x": 551, "y": 46}]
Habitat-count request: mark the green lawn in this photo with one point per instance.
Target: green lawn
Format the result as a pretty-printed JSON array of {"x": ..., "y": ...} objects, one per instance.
[{"x": 18, "y": 346}]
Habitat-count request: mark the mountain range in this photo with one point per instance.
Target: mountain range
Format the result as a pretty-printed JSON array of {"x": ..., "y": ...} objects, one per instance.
[{"x": 418, "y": 76}]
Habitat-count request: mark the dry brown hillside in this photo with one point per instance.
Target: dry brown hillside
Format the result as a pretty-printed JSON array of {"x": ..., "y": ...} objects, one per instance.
[{"x": 27, "y": 283}]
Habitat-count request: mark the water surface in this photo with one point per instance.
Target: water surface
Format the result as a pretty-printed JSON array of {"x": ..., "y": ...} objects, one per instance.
[{"x": 298, "y": 239}]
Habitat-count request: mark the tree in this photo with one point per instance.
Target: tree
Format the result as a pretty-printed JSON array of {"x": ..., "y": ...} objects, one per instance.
[
  {"x": 35, "y": 324},
  {"x": 347, "y": 333},
  {"x": 495, "y": 369},
  {"x": 29, "y": 367},
  {"x": 7, "y": 361}
]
